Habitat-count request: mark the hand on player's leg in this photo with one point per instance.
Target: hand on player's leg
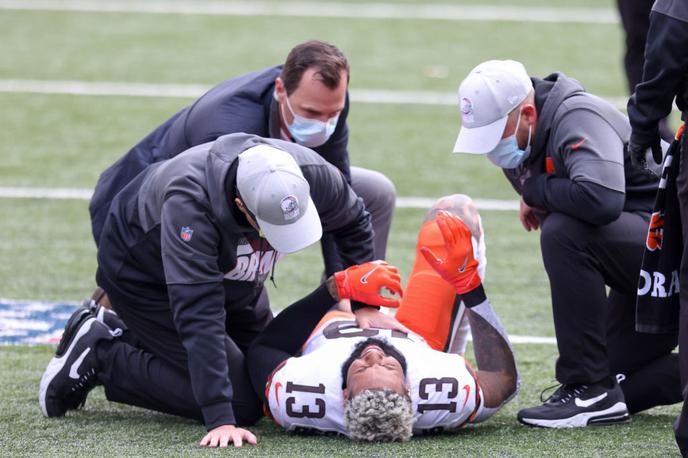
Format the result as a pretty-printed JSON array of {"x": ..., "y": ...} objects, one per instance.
[
  {"x": 460, "y": 268},
  {"x": 369, "y": 283},
  {"x": 223, "y": 435}
]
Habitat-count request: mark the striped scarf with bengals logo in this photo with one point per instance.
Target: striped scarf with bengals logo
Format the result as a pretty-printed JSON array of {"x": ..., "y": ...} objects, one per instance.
[{"x": 657, "y": 303}]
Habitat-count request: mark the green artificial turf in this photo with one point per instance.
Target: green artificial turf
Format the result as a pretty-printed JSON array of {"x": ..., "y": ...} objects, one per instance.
[
  {"x": 47, "y": 253},
  {"x": 107, "y": 429}
]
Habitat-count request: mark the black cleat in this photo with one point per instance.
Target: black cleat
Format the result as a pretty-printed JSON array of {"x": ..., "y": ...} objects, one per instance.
[
  {"x": 72, "y": 373},
  {"x": 576, "y": 406}
]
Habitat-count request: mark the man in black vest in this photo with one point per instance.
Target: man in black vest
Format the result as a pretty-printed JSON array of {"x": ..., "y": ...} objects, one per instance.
[
  {"x": 665, "y": 77},
  {"x": 305, "y": 101}
]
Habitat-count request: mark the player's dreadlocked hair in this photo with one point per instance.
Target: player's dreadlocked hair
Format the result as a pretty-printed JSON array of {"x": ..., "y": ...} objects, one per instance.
[{"x": 377, "y": 415}]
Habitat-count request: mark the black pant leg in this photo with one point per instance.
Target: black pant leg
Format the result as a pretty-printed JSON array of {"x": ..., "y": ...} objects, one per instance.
[
  {"x": 578, "y": 299},
  {"x": 647, "y": 371},
  {"x": 635, "y": 18},
  {"x": 580, "y": 259},
  {"x": 154, "y": 375},
  {"x": 136, "y": 377},
  {"x": 379, "y": 196},
  {"x": 681, "y": 426}
]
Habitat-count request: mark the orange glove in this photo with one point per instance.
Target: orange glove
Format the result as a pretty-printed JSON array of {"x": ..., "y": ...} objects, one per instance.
[
  {"x": 368, "y": 282},
  {"x": 460, "y": 269}
]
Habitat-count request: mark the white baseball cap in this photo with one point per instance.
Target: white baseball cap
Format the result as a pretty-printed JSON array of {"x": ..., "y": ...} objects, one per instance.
[
  {"x": 273, "y": 188},
  {"x": 486, "y": 97}
]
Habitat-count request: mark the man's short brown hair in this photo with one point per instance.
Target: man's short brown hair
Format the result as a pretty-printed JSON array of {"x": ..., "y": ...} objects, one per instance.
[{"x": 328, "y": 60}]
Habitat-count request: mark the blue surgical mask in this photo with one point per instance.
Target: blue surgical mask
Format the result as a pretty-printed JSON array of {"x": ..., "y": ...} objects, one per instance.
[
  {"x": 507, "y": 154},
  {"x": 310, "y": 132}
]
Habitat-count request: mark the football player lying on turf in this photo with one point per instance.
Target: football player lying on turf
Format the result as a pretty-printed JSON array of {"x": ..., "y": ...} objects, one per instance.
[
  {"x": 82, "y": 361},
  {"x": 323, "y": 373}
]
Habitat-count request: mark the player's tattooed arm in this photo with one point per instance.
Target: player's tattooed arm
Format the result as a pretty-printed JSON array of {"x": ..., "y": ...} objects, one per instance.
[{"x": 496, "y": 364}]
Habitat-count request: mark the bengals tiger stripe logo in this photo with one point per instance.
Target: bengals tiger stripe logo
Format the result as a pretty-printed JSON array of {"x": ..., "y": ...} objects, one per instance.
[{"x": 655, "y": 233}]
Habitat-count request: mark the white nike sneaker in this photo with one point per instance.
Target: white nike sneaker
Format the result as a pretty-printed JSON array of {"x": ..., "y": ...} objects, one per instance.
[
  {"x": 576, "y": 406},
  {"x": 72, "y": 373}
]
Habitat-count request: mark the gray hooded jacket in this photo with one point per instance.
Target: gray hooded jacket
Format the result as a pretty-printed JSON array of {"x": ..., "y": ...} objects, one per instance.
[
  {"x": 578, "y": 163},
  {"x": 148, "y": 258}
]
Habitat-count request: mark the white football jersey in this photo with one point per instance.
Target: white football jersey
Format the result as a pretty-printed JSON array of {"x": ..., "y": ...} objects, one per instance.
[{"x": 305, "y": 393}]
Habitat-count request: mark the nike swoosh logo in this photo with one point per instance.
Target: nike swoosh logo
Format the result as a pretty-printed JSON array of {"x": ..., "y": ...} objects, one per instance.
[
  {"x": 277, "y": 387},
  {"x": 579, "y": 144},
  {"x": 588, "y": 402},
  {"x": 463, "y": 267},
  {"x": 74, "y": 369},
  {"x": 364, "y": 279},
  {"x": 468, "y": 393}
]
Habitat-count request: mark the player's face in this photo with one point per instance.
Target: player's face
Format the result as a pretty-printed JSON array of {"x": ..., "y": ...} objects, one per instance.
[{"x": 374, "y": 369}]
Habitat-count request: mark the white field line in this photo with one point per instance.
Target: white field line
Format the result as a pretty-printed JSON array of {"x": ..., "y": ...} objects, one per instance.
[
  {"x": 45, "y": 193},
  {"x": 14, "y": 318},
  {"x": 191, "y": 91},
  {"x": 533, "y": 340},
  {"x": 482, "y": 204},
  {"x": 515, "y": 340},
  {"x": 329, "y": 10},
  {"x": 85, "y": 194}
]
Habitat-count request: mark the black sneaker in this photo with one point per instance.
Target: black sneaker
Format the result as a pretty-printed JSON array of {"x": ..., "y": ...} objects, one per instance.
[
  {"x": 72, "y": 373},
  {"x": 575, "y": 406}
]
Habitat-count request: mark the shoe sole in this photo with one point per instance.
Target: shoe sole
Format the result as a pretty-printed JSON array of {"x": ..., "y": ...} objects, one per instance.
[
  {"x": 618, "y": 413},
  {"x": 56, "y": 365}
]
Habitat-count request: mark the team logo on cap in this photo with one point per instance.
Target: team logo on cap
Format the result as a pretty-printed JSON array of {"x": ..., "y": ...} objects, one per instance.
[
  {"x": 290, "y": 207},
  {"x": 186, "y": 233},
  {"x": 467, "y": 109}
]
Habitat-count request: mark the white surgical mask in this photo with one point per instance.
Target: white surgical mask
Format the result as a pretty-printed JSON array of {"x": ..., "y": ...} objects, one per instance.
[
  {"x": 507, "y": 154},
  {"x": 310, "y": 132}
]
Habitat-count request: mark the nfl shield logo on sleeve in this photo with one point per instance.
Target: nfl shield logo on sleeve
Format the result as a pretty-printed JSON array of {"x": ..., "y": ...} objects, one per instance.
[{"x": 186, "y": 233}]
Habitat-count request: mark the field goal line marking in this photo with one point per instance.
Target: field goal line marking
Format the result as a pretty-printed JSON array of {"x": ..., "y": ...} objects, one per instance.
[
  {"x": 448, "y": 12},
  {"x": 192, "y": 91},
  {"x": 85, "y": 194}
]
